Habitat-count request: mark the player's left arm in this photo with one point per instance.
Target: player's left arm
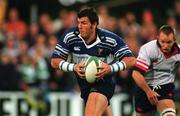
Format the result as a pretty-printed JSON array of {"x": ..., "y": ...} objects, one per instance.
[
  {"x": 129, "y": 61},
  {"x": 125, "y": 63},
  {"x": 125, "y": 56}
]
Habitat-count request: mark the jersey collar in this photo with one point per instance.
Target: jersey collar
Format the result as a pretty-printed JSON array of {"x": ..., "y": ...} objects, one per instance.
[
  {"x": 100, "y": 33},
  {"x": 91, "y": 45},
  {"x": 175, "y": 50},
  {"x": 100, "y": 37}
]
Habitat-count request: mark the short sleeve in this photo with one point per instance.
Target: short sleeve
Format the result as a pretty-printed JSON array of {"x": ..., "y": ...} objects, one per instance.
[
  {"x": 62, "y": 48},
  {"x": 143, "y": 60},
  {"x": 121, "y": 49}
]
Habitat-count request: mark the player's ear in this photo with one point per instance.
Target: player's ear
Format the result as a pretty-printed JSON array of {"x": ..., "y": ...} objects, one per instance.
[
  {"x": 94, "y": 24},
  {"x": 157, "y": 37},
  {"x": 174, "y": 38}
]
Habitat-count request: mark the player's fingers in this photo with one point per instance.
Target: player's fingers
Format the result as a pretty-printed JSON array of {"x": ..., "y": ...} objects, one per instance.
[
  {"x": 155, "y": 97},
  {"x": 81, "y": 75},
  {"x": 100, "y": 73},
  {"x": 152, "y": 101},
  {"x": 155, "y": 100},
  {"x": 81, "y": 66},
  {"x": 100, "y": 67},
  {"x": 81, "y": 70},
  {"x": 157, "y": 94}
]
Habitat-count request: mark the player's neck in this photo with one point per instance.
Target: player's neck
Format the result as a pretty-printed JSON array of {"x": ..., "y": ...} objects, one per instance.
[
  {"x": 174, "y": 50},
  {"x": 91, "y": 39}
]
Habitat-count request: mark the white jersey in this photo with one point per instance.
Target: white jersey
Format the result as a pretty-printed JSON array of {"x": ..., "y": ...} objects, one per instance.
[{"x": 158, "y": 68}]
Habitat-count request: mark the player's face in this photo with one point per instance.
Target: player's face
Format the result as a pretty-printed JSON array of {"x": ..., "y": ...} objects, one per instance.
[
  {"x": 166, "y": 42},
  {"x": 85, "y": 27}
]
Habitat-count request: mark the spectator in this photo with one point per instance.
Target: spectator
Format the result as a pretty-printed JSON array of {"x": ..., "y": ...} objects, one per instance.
[
  {"x": 103, "y": 14},
  {"x": 9, "y": 77},
  {"x": 68, "y": 19},
  {"x": 33, "y": 32},
  {"x": 15, "y": 25}
]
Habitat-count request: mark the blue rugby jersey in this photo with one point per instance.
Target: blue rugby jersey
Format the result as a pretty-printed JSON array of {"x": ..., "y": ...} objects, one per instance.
[{"x": 108, "y": 47}]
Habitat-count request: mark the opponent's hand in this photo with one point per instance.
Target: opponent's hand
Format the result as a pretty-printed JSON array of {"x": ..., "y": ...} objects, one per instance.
[
  {"x": 79, "y": 69},
  {"x": 103, "y": 70},
  {"x": 152, "y": 96}
]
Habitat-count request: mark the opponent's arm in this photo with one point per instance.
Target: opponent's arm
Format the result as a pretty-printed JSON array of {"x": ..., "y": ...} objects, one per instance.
[{"x": 141, "y": 82}]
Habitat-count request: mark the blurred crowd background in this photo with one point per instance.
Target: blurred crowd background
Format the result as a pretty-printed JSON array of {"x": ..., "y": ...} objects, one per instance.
[{"x": 30, "y": 29}]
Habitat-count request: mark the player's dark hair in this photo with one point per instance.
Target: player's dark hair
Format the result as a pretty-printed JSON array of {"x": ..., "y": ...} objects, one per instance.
[
  {"x": 166, "y": 29},
  {"x": 90, "y": 13}
]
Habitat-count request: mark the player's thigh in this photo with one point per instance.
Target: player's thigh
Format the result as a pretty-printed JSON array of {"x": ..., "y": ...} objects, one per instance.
[
  {"x": 108, "y": 112},
  {"x": 144, "y": 114},
  {"x": 164, "y": 104},
  {"x": 96, "y": 104}
]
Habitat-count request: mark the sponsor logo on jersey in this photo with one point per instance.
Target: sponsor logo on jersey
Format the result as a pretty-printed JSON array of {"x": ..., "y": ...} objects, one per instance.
[
  {"x": 76, "y": 48},
  {"x": 100, "y": 50}
]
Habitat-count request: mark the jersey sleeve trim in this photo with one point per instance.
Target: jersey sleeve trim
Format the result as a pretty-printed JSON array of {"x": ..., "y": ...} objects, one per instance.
[
  {"x": 141, "y": 65},
  {"x": 139, "y": 70}
]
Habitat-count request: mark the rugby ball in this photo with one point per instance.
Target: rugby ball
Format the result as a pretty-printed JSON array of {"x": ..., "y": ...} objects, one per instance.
[{"x": 91, "y": 65}]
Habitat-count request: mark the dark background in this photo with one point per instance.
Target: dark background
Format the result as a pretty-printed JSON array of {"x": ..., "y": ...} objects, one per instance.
[{"x": 117, "y": 7}]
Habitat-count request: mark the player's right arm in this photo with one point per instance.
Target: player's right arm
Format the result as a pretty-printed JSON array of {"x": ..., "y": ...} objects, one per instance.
[
  {"x": 55, "y": 62},
  {"x": 142, "y": 65},
  {"x": 60, "y": 55},
  {"x": 59, "y": 63},
  {"x": 141, "y": 82}
]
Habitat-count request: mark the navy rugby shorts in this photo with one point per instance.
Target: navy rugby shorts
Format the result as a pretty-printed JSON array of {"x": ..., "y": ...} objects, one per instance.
[
  {"x": 142, "y": 104},
  {"x": 104, "y": 86}
]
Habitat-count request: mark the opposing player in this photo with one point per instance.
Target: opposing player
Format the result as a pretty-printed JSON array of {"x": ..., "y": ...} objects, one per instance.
[
  {"x": 88, "y": 40},
  {"x": 154, "y": 74}
]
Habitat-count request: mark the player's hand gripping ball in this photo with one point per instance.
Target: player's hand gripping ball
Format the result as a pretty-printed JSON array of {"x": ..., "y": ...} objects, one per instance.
[{"x": 91, "y": 65}]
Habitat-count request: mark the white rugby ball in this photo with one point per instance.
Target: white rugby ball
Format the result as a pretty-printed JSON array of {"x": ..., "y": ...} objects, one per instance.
[{"x": 91, "y": 68}]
